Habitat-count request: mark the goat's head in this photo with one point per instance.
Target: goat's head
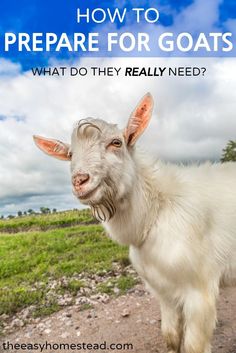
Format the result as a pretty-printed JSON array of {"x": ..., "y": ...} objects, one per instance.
[{"x": 102, "y": 167}]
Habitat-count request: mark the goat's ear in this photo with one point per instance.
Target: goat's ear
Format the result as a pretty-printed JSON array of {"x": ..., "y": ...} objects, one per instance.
[
  {"x": 54, "y": 148},
  {"x": 139, "y": 119}
]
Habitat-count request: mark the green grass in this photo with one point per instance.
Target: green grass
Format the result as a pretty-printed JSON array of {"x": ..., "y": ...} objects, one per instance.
[
  {"x": 37, "y": 250},
  {"x": 74, "y": 286},
  {"x": 46, "y": 221},
  {"x": 42, "y": 310},
  {"x": 86, "y": 306},
  {"x": 123, "y": 283},
  {"x": 30, "y": 260}
]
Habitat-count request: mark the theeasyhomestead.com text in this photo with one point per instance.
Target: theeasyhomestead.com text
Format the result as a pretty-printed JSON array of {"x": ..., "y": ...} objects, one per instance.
[{"x": 43, "y": 347}]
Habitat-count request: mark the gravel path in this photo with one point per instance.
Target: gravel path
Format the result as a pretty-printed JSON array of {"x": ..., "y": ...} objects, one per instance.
[{"x": 133, "y": 318}]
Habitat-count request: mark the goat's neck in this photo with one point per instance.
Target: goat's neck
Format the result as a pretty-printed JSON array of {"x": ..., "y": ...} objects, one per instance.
[{"x": 136, "y": 213}]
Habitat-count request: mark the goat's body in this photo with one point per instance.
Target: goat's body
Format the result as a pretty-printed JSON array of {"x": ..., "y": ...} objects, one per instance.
[{"x": 180, "y": 224}]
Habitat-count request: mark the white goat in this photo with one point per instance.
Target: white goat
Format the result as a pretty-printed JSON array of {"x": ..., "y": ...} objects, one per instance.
[{"x": 179, "y": 222}]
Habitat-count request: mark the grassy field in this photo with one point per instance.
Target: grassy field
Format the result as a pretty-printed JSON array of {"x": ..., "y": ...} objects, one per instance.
[
  {"x": 37, "y": 250},
  {"x": 46, "y": 221}
]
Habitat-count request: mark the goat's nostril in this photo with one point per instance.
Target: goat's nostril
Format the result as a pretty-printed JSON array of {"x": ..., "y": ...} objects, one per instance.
[
  {"x": 80, "y": 179},
  {"x": 84, "y": 178}
]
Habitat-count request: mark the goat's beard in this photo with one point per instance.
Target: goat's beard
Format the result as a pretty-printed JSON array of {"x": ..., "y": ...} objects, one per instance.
[{"x": 104, "y": 209}]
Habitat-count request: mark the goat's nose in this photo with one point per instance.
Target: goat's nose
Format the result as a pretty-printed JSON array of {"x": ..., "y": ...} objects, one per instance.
[{"x": 80, "y": 179}]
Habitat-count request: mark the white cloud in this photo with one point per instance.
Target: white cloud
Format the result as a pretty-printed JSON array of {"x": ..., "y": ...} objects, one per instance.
[
  {"x": 193, "y": 119},
  {"x": 193, "y": 18},
  {"x": 8, "y": 68}
]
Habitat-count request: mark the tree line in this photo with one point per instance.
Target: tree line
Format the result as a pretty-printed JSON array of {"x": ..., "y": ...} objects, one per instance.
[{"x": 30, "y": 212}]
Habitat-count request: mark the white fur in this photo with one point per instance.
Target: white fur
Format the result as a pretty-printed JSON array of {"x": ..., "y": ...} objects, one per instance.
[{"x": 180, "y": 224}]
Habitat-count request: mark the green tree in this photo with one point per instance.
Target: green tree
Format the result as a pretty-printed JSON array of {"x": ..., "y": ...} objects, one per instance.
[
  {"x": 54, "y": 210},
  {"x": 19, "y": 213},
  {"x": 45, "y": 210},
  {"x": 30, "y": 211},
  {"x": 229, "y": 152},
  {"x": 42, "y": 209}
]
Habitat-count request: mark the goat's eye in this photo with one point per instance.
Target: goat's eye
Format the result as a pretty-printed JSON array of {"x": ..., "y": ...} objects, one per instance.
[
  {"x": 70, "y": 154},
  {"x": 116, "y": 143}
]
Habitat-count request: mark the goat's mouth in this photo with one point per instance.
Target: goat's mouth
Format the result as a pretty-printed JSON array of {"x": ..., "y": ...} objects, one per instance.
[{"x": 87, "y": 194}]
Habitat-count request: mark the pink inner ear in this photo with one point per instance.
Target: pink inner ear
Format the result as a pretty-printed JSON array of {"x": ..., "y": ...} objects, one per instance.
[
  {"x": 139, "y": 119},
  {"x": 53, "y": 147},
  {"x": 141, "y": 111},
  {"x": 47, "y": 145},
  {"x": 144, "y": 108}
]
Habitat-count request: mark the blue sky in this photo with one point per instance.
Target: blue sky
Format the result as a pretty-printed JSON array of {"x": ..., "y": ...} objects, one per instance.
[{"x": 60, "y": 16}]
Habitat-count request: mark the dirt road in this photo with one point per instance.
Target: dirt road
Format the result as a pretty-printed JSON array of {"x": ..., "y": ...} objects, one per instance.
[{"x": 133, "y": 318}]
